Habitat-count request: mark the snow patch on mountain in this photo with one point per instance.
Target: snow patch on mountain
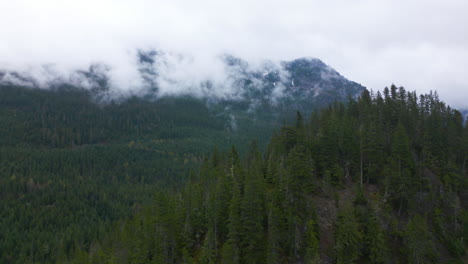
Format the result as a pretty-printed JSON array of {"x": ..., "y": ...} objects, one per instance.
[{"x": 308, "y": 80}]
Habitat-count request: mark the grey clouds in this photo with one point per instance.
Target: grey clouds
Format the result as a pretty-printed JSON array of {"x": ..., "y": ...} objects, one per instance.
[{"x": 419, "y": 44}]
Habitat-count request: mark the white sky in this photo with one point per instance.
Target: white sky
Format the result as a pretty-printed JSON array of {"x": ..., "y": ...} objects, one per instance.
[{"x": 418, "y": 44}]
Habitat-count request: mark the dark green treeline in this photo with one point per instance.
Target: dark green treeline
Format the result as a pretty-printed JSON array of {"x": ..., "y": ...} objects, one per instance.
[
  {"x": 381, "y": 179},
  {"x": 71, "y": 167}
]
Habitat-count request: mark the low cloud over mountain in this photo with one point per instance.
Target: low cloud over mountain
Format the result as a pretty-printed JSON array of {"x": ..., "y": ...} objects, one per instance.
[
  {"x": 157, "y": 73},
  {"x": 373, "y": 42}
]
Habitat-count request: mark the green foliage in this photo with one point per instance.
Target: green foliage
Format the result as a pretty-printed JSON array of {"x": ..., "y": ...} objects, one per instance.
[
  {"x": 419, "y": 241},
  {"x": 375, "y": 241},
  {"x": 70, "y": 167},
  {"x": 373, "y": 150},
  {"x": 348, "y": 237},
  {"x": 111, "y": 184},
  {"x": 252, "y": 212},
  {"x": 312, "y": 251}
]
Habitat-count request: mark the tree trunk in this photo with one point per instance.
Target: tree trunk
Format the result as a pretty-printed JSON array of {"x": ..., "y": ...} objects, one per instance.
[
  {"x": 361, "y": 168},
  {"x": 464, "y": 165}
]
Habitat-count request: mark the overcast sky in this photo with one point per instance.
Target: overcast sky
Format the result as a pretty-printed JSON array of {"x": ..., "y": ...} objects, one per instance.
[{"x": 418, "y": 44}]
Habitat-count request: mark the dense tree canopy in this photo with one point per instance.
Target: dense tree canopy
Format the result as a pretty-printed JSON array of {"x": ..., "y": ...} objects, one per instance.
[
  {"x": 72, "y": 166},
  {"x": 381, "y": 179}
]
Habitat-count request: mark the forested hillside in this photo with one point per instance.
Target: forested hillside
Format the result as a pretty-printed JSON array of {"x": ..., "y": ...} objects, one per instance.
[
  {"x": 74, "y": 161},
  {"x": 381, "y": 179},
  {"x": 70, "y": 167}
]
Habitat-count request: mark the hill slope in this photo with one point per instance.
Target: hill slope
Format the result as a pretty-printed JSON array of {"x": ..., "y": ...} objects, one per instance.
[
  {"x": 380, "y": 180},
  {"x": 71, "y": 163}
]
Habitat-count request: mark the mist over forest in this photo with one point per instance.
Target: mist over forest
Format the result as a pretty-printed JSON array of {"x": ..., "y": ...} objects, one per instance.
[{"x": 267, "y": 132}]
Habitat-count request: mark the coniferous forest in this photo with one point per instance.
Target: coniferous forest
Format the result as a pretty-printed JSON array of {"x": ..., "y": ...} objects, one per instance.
[
  {"x": 71, "y": 166},
  {"x": 233, "y": 132},
  {"x": 378, "y": 179}
]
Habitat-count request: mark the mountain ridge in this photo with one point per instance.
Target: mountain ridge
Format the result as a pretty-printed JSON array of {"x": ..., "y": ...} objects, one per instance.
[
  {"x": 163, "y": 74},
  {"x": 77, "y": 160}
]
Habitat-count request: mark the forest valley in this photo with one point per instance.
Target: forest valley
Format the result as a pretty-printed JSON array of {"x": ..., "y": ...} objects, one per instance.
[{"x": 377, "y": 179}]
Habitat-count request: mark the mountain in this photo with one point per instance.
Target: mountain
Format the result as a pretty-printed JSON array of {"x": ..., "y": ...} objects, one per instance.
[
  {"x": 301, "y": 84},
  {"x": 74, "y": 160},
  {"x": 381, "y": 179},
  {"x": 464, "y": 113}
]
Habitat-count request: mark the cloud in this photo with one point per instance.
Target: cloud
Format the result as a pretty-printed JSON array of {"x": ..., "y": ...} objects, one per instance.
[{"x": 419, "y": 44}]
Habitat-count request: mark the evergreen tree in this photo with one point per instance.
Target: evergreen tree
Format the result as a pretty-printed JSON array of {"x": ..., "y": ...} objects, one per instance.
[
  {"x": 375, "y": 241},
  {"x": 312, "y": 251},
  {"x": 252, "y": 212},
  {"x": 348, "y": 237},
  {"x": 419, "y": 241},
  {"x": 231, "y": 249},
  {"x": 403, "y": 180},
  {"x": 274, "y": 218}
]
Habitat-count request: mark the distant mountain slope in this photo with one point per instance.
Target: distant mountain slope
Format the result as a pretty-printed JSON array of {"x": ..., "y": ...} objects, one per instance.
[
  {"x": 301, "y": 84},
  {"x": 66, "y": 115},
  {"x": 464, "y": 113},
  {"x": 380, "y": 180},
  {"x": 74, "y": 160}
]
